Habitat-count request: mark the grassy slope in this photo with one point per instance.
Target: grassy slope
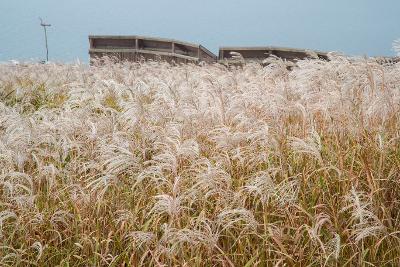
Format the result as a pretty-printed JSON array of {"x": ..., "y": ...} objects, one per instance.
[{"x": 152, "y": 164}]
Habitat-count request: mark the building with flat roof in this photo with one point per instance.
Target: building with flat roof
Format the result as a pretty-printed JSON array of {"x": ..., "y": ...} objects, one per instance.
[
  {"x": 135, "y": 48},
  {"x": 259, "y": 54}
]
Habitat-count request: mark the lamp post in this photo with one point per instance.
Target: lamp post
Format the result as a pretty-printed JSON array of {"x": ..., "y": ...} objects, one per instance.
[{"x": 45, "y": 25}]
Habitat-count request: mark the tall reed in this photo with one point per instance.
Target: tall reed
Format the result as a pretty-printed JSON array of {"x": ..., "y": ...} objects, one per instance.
[{"x": 153, "y": 164}]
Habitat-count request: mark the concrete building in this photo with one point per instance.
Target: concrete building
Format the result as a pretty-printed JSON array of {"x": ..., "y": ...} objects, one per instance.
[
  {"x": 135, "y": 48},
  {"x": 230, "y": 55}
]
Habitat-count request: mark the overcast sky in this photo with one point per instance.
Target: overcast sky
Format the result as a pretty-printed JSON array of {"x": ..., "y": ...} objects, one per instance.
[{"x": 354, "y": 27}]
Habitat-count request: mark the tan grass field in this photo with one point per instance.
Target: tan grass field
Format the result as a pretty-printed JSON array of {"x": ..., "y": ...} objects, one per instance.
[{"x": 151, "y": 164}]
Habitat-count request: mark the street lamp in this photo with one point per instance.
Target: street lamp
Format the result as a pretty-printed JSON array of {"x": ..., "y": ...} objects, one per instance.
[{"x": 44, "y": 25}]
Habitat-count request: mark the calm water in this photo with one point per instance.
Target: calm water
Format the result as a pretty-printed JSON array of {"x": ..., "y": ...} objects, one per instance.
[{"x": 355, "y": 27}]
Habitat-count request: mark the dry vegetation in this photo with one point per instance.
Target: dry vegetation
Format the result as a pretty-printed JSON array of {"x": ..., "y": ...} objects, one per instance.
[{"x": 182, "y": 165}]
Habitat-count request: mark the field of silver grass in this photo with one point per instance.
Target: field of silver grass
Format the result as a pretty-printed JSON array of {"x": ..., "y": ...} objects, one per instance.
[{"x": 151, "y": 164}]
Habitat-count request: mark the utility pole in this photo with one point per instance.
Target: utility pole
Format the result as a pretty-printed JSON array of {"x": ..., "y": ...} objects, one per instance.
[{"x": 44, "y": 25}]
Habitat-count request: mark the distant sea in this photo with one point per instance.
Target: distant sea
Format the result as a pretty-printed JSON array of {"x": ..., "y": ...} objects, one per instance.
[{"x": 357, "y": 27}]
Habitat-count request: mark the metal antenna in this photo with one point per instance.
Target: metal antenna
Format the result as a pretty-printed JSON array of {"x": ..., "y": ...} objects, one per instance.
[{"x": 44, "y": 25}]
